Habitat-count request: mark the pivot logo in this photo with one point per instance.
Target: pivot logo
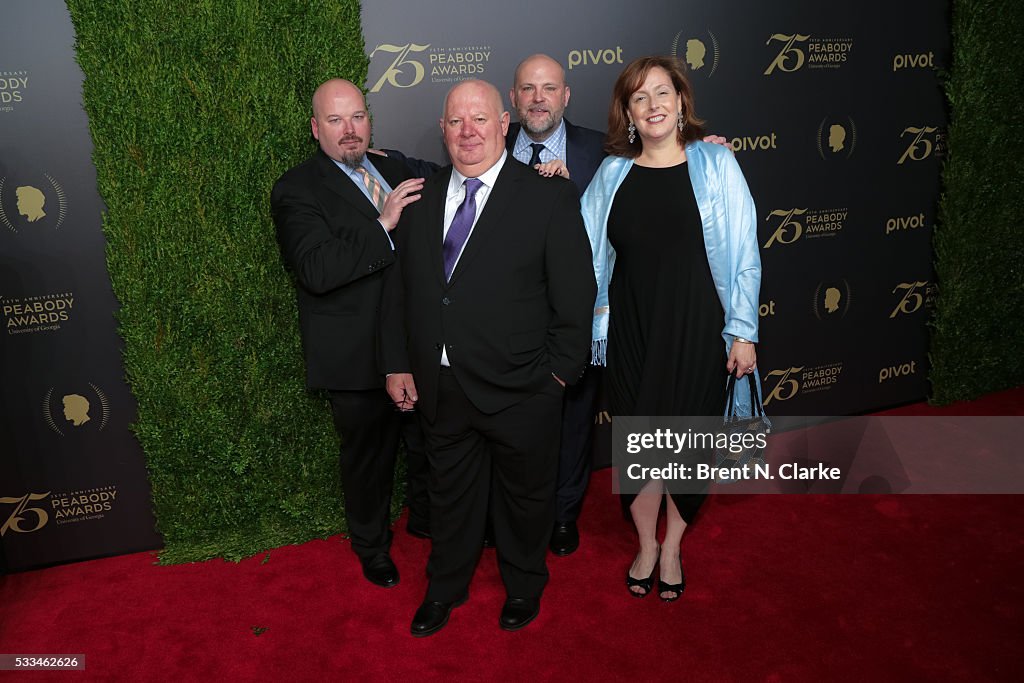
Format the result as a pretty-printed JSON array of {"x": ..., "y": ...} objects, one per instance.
[
  {"x": 396, "y": 73},
  {"x": 766, "y": 309},
  {"x": 904, "y": 223},
  {"x": 749, "y": 143},
  {"x": 924, "y": 141},
  {"x": 892, "y": 371},
  {"x": 925, "y": 59},
  {"x": 578, "y": 58}
]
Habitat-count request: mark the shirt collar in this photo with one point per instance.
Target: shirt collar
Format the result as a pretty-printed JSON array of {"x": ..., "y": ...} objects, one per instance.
[
  {"x": 488, "y": 177},
  {"x": 555, "y": 142}
]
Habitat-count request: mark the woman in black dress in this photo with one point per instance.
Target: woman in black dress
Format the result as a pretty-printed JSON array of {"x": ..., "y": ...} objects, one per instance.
[{"x": 673, "y": 230}]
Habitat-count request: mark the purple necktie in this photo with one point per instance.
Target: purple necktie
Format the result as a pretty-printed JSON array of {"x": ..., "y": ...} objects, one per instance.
[{"x": 458, "y": 231}]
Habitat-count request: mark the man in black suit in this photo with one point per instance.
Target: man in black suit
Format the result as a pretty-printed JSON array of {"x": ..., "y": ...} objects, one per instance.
[
  {"x": 490, "y": 311},
  {"x": 540, "y": 96},
  {"x": 334, "y": 213}
]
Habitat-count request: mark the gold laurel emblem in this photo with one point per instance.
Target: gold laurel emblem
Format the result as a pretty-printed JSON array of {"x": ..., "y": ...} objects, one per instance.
[
  {"x": 695, "y": 52},
  {"x": 31, "y": 204},
  {"x": 75, "y": 409},
  {"x": 839, "y": 138},
  {"x": 832, "y": 298}
]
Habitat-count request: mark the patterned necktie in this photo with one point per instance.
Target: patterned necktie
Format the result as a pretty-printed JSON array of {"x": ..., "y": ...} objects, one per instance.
[
  {"x": 535, "y": 159},
  {"x": 458, "y": 231},
  {"x": 373, "y": 186}
]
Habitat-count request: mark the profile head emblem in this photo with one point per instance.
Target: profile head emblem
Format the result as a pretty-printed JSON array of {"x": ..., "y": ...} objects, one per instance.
[
  {"x": 30, "y": 202},
  {"x": 832, "y": 297},
  {"x": 695, "y": 51},
  {"x": 76, "y": 409},
  {"x": 836, "y": 137}
]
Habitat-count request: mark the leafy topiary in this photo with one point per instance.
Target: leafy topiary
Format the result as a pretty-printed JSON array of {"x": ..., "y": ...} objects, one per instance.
[
  {"x": 978, "y": 328},
  {"x": 195, "y": 108}
]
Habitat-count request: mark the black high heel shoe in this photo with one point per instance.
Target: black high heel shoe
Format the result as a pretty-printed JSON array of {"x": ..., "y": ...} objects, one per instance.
[
  {"x": 676, "y": 588},
  {"x": 646, "y": 584}
]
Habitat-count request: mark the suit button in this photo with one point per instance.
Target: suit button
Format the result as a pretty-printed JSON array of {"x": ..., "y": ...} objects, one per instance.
[
  {"x": 371, "y": 268},
  {"x": 437, "y": 347},
  {"x": 446, "y": 301}
]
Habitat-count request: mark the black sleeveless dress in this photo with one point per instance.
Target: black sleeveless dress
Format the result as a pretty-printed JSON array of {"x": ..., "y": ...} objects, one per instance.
[{"x": 666, "y": 355}]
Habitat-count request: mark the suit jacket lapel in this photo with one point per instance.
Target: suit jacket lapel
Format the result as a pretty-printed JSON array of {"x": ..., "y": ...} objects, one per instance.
[
  {"x": 498, "y": 204},
  {"x": 434, "y": 207},
  {"x": 338, "y": 182}
]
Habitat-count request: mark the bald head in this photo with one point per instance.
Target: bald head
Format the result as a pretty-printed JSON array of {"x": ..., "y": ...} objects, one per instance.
[
  {"x": 340, "y": 121},
  {"x": 539, "y": 95},
  {"x": 474, "y": 126}
]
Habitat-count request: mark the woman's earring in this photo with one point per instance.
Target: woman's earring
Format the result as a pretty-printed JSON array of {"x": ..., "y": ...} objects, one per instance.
[
  {"x": 632, "y": 132},
  {"x": 680, "y": 124}
]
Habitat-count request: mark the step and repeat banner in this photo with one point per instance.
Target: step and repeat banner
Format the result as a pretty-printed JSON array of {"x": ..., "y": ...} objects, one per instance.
[
  {"x": 836, "y": 116},
  {"x": 72, "y": 477},
  {"x": 834, "y": 110}
]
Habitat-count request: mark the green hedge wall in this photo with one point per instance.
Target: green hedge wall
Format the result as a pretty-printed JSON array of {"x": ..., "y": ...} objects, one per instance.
[
  {"x": 978, "y": 328},
  {"x": 195, "y": 107}
]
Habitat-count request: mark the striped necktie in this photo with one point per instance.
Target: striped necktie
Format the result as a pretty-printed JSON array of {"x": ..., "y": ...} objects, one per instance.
[{"x": 373, "y": 186}]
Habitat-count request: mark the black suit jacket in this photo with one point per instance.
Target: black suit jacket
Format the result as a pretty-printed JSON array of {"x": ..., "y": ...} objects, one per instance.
[
  {"x": 331, "y": 240},
  {"x": 584, "y": 151},
  {"x": 519, "y": 304}
]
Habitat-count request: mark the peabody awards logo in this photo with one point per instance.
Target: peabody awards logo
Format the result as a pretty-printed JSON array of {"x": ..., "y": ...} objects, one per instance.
[
  {"x": 801, "y": 380},
  {"x": 32, "y": 203},
  {"x": 76, "y": 411},
  {"x": 793, "y": 224},
  {"x": 795, "y": 51},
  {"x": 412, "y": 62},
  {"x": 700, "y": 52},
  {"x": 13, "y": 85},
  {"x": 924, "y": 142},
  {"x": 912, "y": 296},
  {"x": 832, "y": 300},
  {"x": 837, "y": 138},
  {"x": 84, "y": 505},
  {"x": 42, "y": 313},
  {"x": 26, "y": 516}
]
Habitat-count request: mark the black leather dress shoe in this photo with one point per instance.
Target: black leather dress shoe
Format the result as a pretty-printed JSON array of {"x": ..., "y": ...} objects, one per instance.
[
  {"x": 417, "y": 530},
  {"x": 565, "y": 539},
  {"x": 432, "y": 616},
  {"x": 380, "y": 570},
  {"x": 518, "y": 612}
]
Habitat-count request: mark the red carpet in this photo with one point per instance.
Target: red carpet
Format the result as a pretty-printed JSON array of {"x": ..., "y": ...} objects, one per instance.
[{"x": 780, "y": 588}]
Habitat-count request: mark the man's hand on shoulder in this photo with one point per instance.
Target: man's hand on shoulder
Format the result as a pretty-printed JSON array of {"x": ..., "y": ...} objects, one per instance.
[
  {"x": 404, "y": 194},
  {"x": 552, "y": 168},
  {"x": 718, "y": 140}
]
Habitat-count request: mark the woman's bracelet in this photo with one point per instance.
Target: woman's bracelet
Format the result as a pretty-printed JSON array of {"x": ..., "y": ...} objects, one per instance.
[{"x": 741, "y": 340}]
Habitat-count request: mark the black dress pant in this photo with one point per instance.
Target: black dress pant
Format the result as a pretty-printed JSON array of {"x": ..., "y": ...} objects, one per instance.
[
  {"x": 368, "y": 425},
  {"x": 509, "y": 458},
  {"x": 574, "y": 457},
  {"x": 417, "y": 471}
]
